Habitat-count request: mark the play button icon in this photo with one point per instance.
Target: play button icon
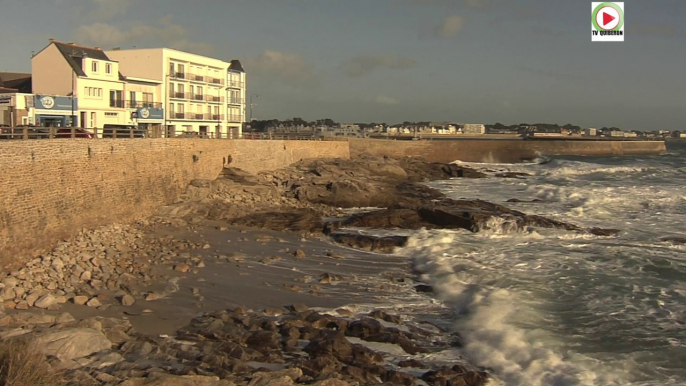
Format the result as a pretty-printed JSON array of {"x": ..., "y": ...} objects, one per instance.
[
  {"x": 607, "y": 21},
  {"x": 608, "y": 18}
]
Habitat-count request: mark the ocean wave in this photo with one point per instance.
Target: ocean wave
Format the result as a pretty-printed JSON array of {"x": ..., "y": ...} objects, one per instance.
[{"x": 491, "y": 318}]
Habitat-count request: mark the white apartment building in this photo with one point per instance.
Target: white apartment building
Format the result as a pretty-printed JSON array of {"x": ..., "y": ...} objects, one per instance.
[
  {"x": 199, "y": 94},
  {"x": 473, "y": 128},
  {"x": 82, "y": 73}
]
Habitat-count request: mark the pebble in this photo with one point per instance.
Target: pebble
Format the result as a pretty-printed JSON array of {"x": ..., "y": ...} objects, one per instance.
[
  {"x": 182, "y": 267},
  {"x": 127, "y": 300},
  {"x": 94, "y": 302}
]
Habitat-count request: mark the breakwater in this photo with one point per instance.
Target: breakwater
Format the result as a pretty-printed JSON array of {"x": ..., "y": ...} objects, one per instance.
[{"x": 501, "y": 151}]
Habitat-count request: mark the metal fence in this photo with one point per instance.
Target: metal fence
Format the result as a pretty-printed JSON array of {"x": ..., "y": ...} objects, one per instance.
[{"x": 37, "y": 133}]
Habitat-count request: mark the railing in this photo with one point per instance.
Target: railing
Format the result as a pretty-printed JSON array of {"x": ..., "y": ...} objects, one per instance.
[
  {"x": 179, "y": 115},
  {"x": 196, "y": 77},
  {"x": 181, "y": 95},
  {"x": 35, "y": 133},
  {"x": 180, "y": 75},
  {"x": 236, "y": 101},
  {"x": 215, "y": 80},
  {"x": 214, "y": 98},
  {"x": 117, "y": 103},
  {"x": 138, "y": 104},
  {"x": 234, "y": 118},
  {"x": 236, "y": 84},
  {"x": 198, "y": 97}
]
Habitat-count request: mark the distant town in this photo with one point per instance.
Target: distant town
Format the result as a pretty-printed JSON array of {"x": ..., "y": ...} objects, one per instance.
[{"x": 328, "y": 128}]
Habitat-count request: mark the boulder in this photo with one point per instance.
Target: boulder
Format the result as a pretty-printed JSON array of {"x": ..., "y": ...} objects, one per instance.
[{"x": 72, "y": 343}]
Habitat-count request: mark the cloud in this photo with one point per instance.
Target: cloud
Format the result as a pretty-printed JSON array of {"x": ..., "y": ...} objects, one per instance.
[
  {"x": 384, "y": 100},
  {"x": 288, "y": 68},
  {"x": 450, "y": 27},
  {"x": 106, "y": 9},
  {"x": 366, "y": 64},
  {"x": 163, "y": 32},
  {"x": 653, "y": 29}
]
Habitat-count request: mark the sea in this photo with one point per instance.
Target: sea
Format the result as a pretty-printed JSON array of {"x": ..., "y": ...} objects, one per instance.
[{"x": 553, "y": 307}]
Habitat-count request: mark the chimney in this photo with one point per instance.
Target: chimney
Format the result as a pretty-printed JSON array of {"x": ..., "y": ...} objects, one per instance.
[{"x": 52, "y": 40}]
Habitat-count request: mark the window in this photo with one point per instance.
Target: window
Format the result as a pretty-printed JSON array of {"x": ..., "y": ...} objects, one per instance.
[
  {"x": 171, "y": 108},
  {"x": 108, "y": 68},
  {"x": 99, "y": 92},
  {"x": 171, "y": 69},
  {"x": 132, "y": 99},
  {"x": 180, "y": 108},
  {"x": 116, "y": 98},
  {"x": 108, "y": 114},
  {"x": 92, "y": 122},
  {"x": 94, "y": 66},
  {"x": 148, "y": 99}
]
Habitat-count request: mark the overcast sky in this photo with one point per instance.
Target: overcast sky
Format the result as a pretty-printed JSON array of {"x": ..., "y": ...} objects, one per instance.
[{"x": 479, "y": 61}]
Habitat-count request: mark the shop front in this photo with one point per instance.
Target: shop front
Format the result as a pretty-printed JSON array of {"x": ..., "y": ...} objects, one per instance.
[
  {"x": 149, "y": 119},
  {"x": 55, "y": 111}
]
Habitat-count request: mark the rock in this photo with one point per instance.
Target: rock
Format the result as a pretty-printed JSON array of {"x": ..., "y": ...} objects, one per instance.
[
  {"x": 385, "y": 244},
  {"x": 22, "y": 305},
  {"x": 94, "y": 302},
  {"x": 153, "y": 296},
  {"x": 45, "y": 301},
  {"x": 157, "y": 379},
  {"x": 80, "y": 300},
  {"x": 86, "y": 276},
  {"x": 299, "y": 254},
  {"x": 8, "y": 293},
  {"x": 26, "y": 319},
  {"x": 674, "y": 239},
  {"x": 298, "y": 307},
  {"x": 182, "y": 267},
  {"x": 424, "y": 288},
  {"x": 127, "y": 300},
  {"x": 72, "y": 343},
  {"x": 331, "y": 382}
]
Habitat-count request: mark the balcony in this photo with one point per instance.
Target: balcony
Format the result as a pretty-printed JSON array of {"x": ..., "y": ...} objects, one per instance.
[
  {"x": 236, "y": 84},
  {"x": 180, "y": 75},
  {"x": 180, "y": 95},
  {"x": 236, "y": 101},
  {"x": 235, "y": 118},
  {"x": 179, "y": 115},
  {"x": 215, "y": 80},
  {"x": 214, "y": 98},
  {"x": 139, "y": 104},
  {"x": 196, "y": 77},
  {"x": 117, "y": 103},
  {"x": 198, "y": 97}
]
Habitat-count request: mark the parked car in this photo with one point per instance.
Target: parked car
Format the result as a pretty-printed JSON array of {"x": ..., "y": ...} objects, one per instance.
[
  {"x": 65, "y": 132},
  {"x": 122, "y": 131}
]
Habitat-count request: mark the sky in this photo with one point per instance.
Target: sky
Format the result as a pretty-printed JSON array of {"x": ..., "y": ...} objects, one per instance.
[{"x": 468, "y": 61}]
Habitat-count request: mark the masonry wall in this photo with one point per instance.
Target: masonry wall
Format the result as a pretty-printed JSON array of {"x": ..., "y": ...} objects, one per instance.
[
  {"x": 51, "y": 189},
  {"x": 504, "y": 151}
]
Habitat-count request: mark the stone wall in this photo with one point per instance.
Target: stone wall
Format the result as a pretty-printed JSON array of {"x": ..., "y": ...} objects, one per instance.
[
  {"x": 51, "y": 189},
  {"x": 503, "y": 151}
]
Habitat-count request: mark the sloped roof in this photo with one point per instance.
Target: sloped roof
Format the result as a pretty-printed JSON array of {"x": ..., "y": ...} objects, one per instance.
[
  {"x": 74, "y": 55},
  {"x": 236, "y": 66},
  {"x": 17, "y": 81}
]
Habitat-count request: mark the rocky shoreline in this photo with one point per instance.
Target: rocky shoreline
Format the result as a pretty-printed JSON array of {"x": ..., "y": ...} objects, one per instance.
[{"x": 109, "y": 277}]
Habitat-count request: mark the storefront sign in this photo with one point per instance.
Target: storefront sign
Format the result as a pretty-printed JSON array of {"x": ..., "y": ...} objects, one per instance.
[
  {"x": 150, "y": 113},
  {"x": 48, "y": 102}
]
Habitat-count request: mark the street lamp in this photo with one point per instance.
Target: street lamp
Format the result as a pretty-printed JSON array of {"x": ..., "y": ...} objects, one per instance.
[{"x": 252, "y": 105}]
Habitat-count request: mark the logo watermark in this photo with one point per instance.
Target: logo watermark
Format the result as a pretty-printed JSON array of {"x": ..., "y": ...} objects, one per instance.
[{"x": 607, "y": 21}]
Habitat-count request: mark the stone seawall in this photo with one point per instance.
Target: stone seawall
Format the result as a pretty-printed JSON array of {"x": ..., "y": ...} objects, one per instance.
[
  {"x": 502, "y": 151},
  {"x": 51, "y": 189}
]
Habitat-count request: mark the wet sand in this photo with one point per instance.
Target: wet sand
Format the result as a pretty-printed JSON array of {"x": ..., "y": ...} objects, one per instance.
[{"x": 257, "y": 269}]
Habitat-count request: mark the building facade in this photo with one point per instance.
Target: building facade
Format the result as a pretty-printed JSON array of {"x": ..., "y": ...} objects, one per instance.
[
  {"x": 200, "y": 95},
  {"x": 83, "y": 73},
  {"x": 473, "y": 128}
]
